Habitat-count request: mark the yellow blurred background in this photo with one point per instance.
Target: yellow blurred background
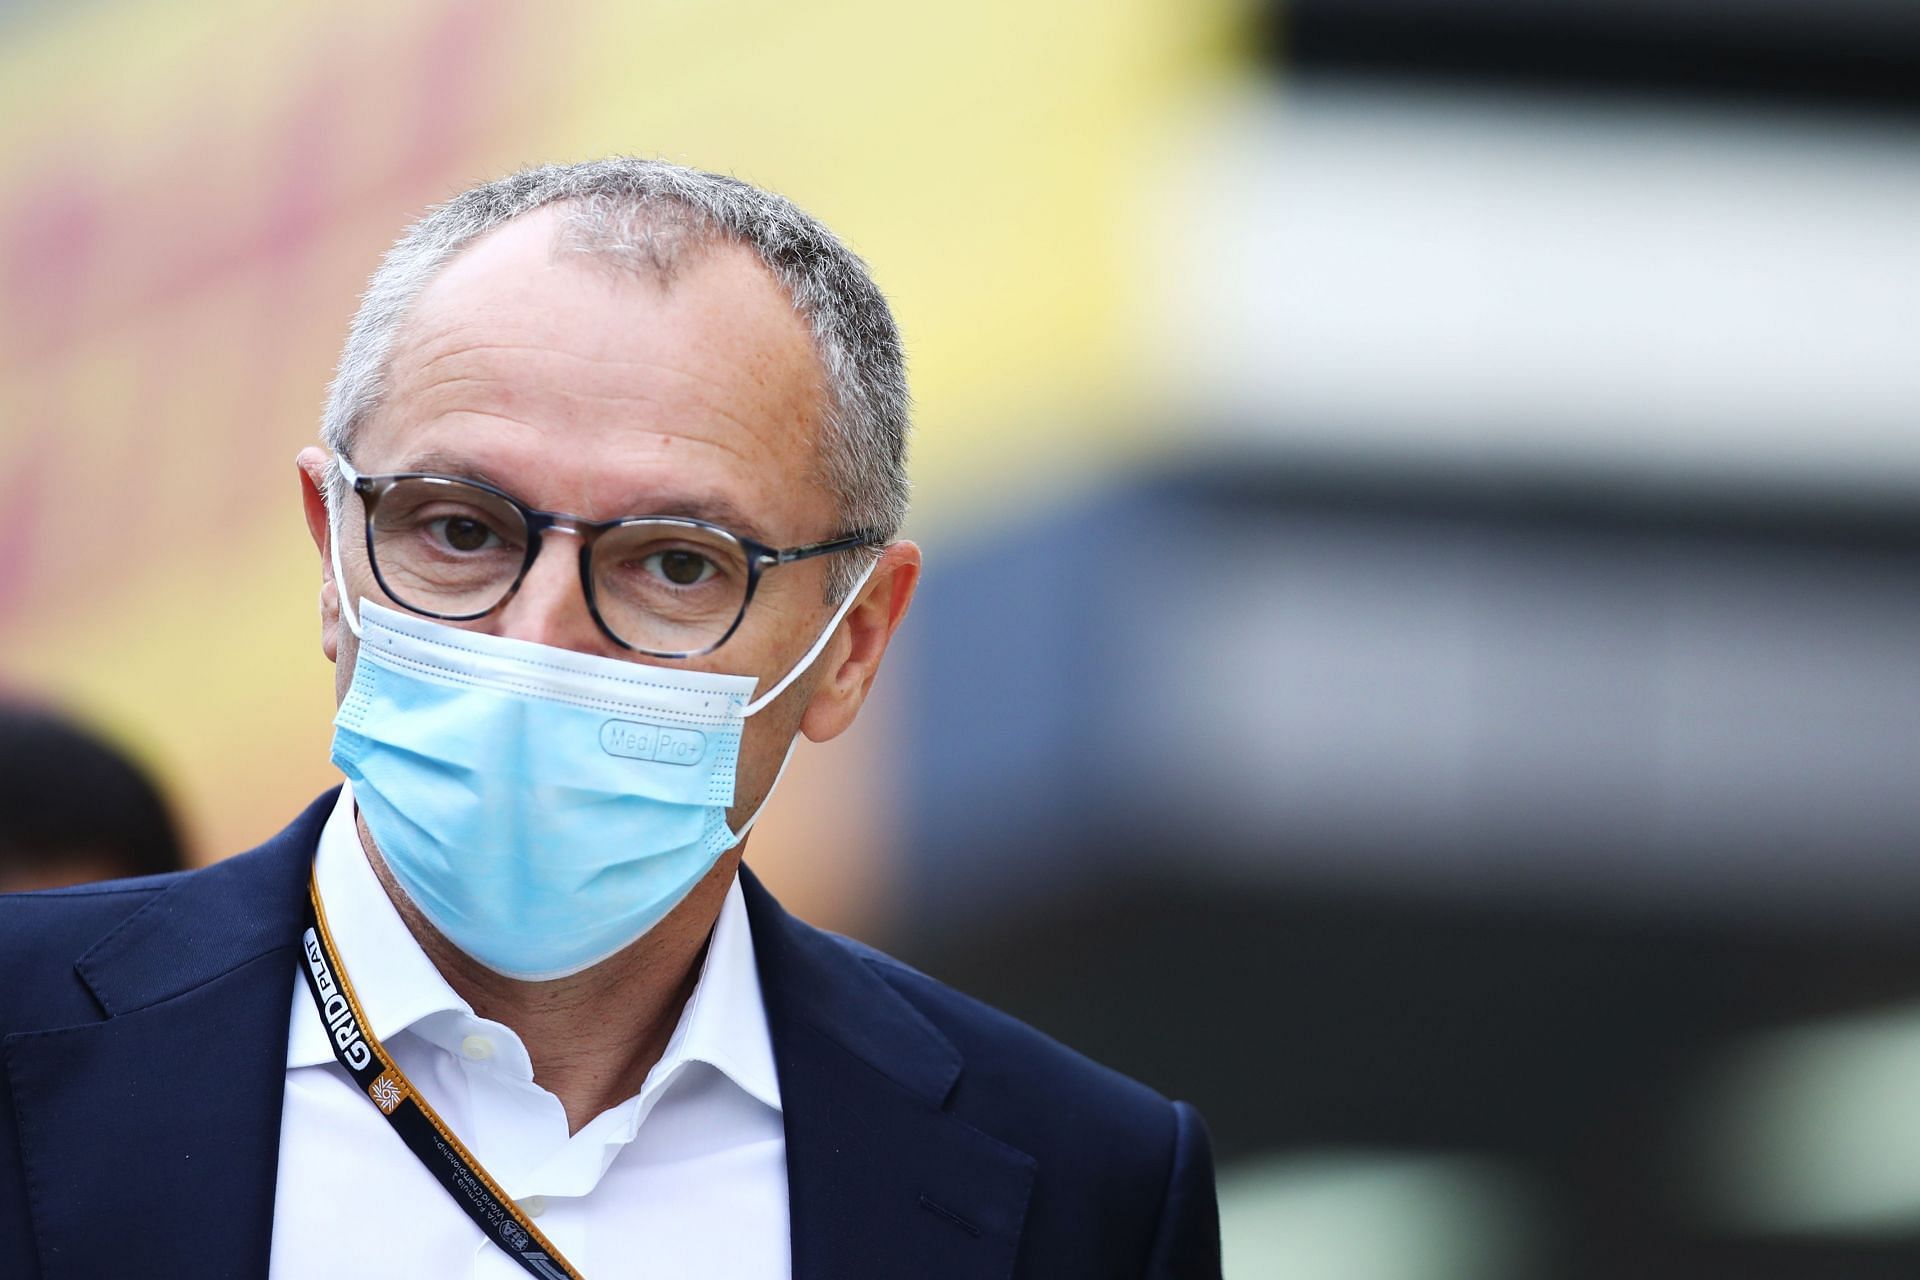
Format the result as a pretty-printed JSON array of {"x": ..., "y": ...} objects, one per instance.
[{"x": 192, "y": 196}]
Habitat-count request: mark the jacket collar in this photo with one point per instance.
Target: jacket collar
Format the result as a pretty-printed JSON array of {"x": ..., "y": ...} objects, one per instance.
[
  {"x": 209, "y": 924},
  {"x": 172, "y": 1102},
  {"x": 882, "y": 1180},
  {"x": 151, "y": 1137}
]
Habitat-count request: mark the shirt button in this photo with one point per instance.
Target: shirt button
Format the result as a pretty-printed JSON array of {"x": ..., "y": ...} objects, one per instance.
[
  {"x": 477, "y": 1048},
  {"x": 533, "y": 1206}
]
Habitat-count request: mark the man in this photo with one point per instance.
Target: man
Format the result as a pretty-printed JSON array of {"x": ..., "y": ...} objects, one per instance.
[{"x": 606, "y": 518}]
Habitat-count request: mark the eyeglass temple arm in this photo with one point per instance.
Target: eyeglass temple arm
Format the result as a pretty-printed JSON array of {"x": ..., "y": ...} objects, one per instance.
[{"x": 864, "y": 538}]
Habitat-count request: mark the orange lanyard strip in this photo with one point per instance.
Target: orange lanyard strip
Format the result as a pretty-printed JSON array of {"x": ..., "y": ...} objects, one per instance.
[{"x": 418, "y": 1125}]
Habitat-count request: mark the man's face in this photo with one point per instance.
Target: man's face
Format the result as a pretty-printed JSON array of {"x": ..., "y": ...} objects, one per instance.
[{"x": 582, "y": 389}]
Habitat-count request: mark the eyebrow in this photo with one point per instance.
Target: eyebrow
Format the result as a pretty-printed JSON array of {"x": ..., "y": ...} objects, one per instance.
[{"x": 711, "y": 508}]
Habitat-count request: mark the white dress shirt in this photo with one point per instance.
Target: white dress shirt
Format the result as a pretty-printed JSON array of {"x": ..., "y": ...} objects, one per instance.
[{"x": 688, "y": 1177}]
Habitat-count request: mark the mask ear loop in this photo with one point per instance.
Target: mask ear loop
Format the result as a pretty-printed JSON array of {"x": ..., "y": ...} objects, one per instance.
[
  {"x": 813, "y": 654},
  {"x": 761, "y": 808},
  {"x": 339, "y": 579},
  {"x": 334, "y": 518}
]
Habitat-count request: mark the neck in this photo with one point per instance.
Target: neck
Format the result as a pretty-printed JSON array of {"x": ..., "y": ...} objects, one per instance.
[{"x": 593, "y": 1036}]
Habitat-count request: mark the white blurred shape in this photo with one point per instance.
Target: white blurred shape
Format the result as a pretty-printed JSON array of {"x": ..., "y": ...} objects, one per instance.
[
  {"x": 1817, "y": 1131},
  {"x": 1469, "y": 279},
  {"x": 1363, "y": 1216}
]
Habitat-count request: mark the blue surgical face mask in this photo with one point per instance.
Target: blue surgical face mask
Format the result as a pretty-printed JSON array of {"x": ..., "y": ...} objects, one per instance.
[{"x": 542, "y": 808}]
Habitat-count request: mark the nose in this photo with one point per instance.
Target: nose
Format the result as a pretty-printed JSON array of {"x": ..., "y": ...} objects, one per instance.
[{"x": 551, "y": 605}]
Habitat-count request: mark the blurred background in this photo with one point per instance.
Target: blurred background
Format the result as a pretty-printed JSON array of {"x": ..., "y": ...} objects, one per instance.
[{"x": 1422, "y": 506}]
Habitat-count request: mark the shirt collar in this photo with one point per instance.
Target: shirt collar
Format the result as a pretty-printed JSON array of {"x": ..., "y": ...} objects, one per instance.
[{"x": 724, "y": 1023}]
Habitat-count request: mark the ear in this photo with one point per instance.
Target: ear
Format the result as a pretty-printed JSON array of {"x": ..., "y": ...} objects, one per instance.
[
  {"x": 864, "y": 635},
  {"x": 313, "y": 482}
]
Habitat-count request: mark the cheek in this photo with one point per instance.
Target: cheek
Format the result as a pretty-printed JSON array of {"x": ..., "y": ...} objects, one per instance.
[{"x": 343, "y": 663}]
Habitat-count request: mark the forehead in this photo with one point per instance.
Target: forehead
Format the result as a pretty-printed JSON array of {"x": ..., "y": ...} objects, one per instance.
[{"x": 597, "y": 390}]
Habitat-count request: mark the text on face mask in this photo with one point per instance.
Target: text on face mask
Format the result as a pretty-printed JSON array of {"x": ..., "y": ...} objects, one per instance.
[{"x": 652, "y": 742}]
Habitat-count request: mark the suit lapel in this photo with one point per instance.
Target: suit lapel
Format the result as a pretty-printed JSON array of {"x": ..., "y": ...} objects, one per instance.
[
  {"x": 151, "y": 1137},
  {"x": 882, "y": 1180}
]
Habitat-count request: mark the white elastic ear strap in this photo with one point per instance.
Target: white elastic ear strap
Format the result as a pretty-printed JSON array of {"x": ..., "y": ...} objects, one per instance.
[
  {"x": 784, "y": 762},
  {"x": 818, "y": 645},
  {"x": 339, "y": 579},
  {"x": 334, "y": 518},
  {"x": 776, "y": 691}
]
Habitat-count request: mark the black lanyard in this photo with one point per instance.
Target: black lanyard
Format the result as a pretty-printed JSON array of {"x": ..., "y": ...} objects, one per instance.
[{"x": 424, "y": 1132}]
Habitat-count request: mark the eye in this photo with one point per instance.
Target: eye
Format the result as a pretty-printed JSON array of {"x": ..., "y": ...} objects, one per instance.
[
  {"x": 680, "y": 566},
  {"x": 463, "y": 533}
]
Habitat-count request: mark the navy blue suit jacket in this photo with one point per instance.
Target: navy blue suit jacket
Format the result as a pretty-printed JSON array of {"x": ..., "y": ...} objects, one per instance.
[{"x": 144, "y": 1028}]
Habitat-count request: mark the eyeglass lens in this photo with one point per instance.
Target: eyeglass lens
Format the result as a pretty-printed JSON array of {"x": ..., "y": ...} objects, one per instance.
[{"x": 448, "y": 549}]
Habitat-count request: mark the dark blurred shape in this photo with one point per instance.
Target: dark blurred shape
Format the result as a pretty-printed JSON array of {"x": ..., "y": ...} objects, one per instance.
[
  {"x": 74, "y": 808},
  {"x": 1480, "y": 817},
  {"x": 1854, "y": 54}
]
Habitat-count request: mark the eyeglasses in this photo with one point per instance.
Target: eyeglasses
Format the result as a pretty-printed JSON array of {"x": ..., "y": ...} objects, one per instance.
[{"x": 665, "y": 586}]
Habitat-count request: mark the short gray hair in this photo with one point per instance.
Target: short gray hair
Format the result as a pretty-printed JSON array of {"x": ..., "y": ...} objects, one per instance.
[{"x": 639, "y": 215}]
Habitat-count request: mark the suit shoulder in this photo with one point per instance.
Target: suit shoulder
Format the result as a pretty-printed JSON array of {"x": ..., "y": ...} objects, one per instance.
[
  {"x": 43, "y": 934},
  {"x": 1108, "y": 1150},
  {"x": 1019, "y": 1066},
  {"x": 64, "y": 922},
  {"x": 251, "y": 899}
]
